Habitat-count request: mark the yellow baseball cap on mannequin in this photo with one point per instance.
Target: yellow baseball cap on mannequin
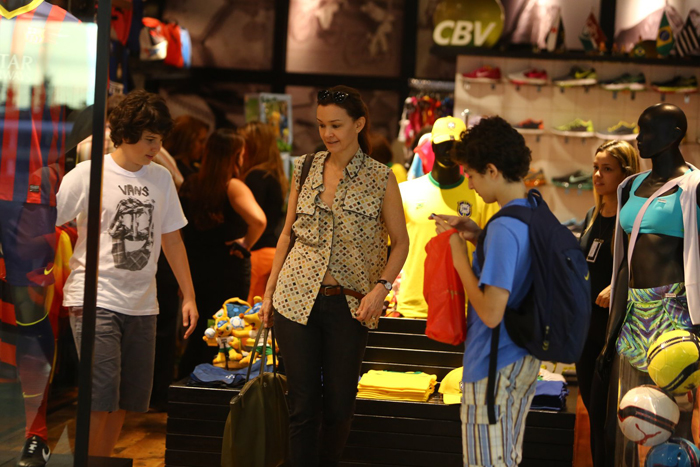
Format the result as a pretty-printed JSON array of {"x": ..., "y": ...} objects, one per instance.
[{"x": 447, "y": 129}]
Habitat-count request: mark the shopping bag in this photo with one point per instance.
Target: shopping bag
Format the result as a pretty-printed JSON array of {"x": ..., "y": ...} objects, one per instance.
[
  {"x": 444, "y": 293},
  {"x": 257, "y": 427}
]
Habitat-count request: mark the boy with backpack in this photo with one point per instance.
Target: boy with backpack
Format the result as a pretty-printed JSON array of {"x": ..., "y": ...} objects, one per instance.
[{"x": 499, "y": 374}]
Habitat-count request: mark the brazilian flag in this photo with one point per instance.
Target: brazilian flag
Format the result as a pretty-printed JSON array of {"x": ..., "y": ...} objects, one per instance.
[{"x": 664, "y": 38}]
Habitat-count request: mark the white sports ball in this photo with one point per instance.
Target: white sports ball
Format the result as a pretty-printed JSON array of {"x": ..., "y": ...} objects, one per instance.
[
  {"x": 210, "y": 333},
  {"x": 647, "y": 415},
  {"x": 237, "y": 323}
]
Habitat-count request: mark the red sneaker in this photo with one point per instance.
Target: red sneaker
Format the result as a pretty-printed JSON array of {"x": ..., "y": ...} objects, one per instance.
[
  {"x": 531, "y": 76},
  {"x": 485, "y": 74}
]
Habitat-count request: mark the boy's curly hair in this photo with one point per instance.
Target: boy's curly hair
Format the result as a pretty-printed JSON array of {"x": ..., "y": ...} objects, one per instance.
[
  {"x": 494, "y": 141},
  {"x": 139, "y": 111}
]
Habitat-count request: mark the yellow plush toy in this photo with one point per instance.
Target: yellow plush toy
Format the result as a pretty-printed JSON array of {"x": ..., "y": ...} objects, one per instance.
[{"x": 220, "y": 336}]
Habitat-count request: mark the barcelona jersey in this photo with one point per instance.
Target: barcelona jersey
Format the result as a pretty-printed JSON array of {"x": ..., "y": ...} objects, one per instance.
[{"x": 43, "y": 72}]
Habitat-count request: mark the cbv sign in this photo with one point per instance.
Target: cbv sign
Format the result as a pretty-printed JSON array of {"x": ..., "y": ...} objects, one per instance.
[
  {"x": 462, "y": 32},
  {"x": 470, "y": 23}
]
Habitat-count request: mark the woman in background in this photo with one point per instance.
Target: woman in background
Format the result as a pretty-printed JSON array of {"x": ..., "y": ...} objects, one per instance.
[
  {"x": 186, "y": 143},
  {"x": 381, "y": 152},
  {"x": 263, "y": 173},
  {"x": 223, "y": 220},
  {"x": 614, "y": 161}
]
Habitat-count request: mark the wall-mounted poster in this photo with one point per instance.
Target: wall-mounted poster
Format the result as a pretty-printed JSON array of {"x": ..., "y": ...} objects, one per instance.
[
  {"x": 219, "y": 104},
  {"x": 641, "y": 21},
  {"x": 345, "y": 37},
  {"x": 275, "y": 109},
  {"x": 227, "y": 33}
]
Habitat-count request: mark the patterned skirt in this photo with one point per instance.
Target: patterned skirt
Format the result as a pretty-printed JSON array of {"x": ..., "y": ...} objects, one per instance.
[{"x": 650, "y": 313}]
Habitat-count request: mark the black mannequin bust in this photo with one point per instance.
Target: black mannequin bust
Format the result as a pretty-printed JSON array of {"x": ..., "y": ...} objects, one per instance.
[
  {"x": 657, "y": 259},
  {"x": 445, "y": 171}
]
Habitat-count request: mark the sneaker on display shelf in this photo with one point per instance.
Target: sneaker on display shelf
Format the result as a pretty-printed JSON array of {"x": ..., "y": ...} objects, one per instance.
[
  {"x": 531, "y": 76},
  {"x": 485, "y": 74},
  {"x": 579, "y": 179},
  {"x": 578, "y": 128},
  {"x": 577, "y": 77},
  {"x": 35, "y": 453},
  {"x": 626, "y": 81},
  {"x": 530, "y": 127},
  {"x": 621, "y": 130},
  {"x": 677, "y": 84},
  {"x": 535, "y": 178}
]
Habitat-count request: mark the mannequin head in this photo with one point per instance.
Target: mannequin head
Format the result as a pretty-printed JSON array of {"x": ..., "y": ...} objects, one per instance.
[
  {"x": 661, "y": 127},
  {"x": 447, "y": 131},
  {"x": 443, "y": 154}
]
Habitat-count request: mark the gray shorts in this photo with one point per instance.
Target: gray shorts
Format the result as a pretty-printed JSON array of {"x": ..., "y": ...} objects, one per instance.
[{"x": 122, "y": 373}]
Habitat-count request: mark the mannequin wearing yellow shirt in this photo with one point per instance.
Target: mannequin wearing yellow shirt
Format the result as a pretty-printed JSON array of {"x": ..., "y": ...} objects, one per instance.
[{"x": 443, "y": 190}]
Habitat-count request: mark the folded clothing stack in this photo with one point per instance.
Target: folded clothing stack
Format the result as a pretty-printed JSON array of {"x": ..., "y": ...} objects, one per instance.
[
  {"x": 393, "y": 385},
  {"x": 550, "y": 395},
  {"x": 207, "y": 375}
]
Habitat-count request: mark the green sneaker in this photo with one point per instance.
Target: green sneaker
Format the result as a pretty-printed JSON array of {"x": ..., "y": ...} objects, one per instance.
[
  {"x": 621, "y": 130},
  {"x": 577, "y": 77},
  {"x": 678, "y": 84},
  {"x": 625, "y": 81},
  {"x": 577, "y": 128}
]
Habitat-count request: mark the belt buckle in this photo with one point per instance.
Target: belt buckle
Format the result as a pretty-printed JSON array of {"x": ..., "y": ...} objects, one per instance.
[{"x": 326, "y": 290}]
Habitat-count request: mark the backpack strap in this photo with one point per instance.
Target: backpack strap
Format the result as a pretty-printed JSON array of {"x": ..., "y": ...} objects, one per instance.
[
  {"x": 491, "y": 383},
  {"x": 308, "y": 160},
  {"x": 522, "y": 213}
]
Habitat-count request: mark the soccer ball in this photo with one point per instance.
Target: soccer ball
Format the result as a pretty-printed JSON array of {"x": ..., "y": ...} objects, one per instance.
[
  {"x": 647, "y": 416},
  {"x": 674, "y": 361},
  {"x": 237, "y": 323},
  {"x": 676, "y": 452}
]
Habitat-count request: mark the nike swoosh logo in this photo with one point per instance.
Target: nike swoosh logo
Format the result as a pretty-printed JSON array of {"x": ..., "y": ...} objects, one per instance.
[
  {"x": 587, "y": 276},
  {"x": 47, "y": 272},
  {"x": 46, "y": 453}
]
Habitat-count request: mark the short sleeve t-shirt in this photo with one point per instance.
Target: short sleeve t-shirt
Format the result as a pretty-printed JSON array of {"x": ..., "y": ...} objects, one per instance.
[
  {"x": 422, "y": 197},
  {"x": 137, "y": 208},
  {"x": 507, "y": 262}
]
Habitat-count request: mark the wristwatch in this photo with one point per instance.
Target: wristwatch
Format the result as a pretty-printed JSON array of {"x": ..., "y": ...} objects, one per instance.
[{"x": 385, "y": 283}]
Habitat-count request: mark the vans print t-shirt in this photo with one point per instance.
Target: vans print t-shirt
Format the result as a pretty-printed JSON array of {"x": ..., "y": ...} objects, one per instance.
[{"x": 137, "y": 208}]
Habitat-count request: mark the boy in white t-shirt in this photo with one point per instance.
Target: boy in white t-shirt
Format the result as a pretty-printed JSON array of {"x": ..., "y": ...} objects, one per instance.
[{"x": 140, "y": 213}]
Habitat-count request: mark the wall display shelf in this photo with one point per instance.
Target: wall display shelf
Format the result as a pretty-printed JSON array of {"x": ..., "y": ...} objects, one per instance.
[{"x": 558, "y": 155}]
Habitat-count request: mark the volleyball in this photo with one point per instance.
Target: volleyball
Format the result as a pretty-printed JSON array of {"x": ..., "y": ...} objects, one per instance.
[
  {"x": 676, "y": 452},
  {"x": 673, "y": 361},
  {"x": 647, "y": 415}
]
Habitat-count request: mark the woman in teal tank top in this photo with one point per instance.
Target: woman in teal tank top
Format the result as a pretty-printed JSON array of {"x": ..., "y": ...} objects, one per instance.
[{"x": 649, "y": 296}]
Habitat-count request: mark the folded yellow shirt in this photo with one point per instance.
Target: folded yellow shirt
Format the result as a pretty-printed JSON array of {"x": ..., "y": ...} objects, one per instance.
[{"x": 397, "y": 380}]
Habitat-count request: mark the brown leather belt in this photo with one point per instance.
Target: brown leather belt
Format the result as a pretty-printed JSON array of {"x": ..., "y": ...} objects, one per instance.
[{"x": 330, "y": 290}]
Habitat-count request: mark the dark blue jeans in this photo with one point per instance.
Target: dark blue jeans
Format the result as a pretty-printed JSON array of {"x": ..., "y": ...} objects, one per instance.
[{"x": 322, "y": 360}]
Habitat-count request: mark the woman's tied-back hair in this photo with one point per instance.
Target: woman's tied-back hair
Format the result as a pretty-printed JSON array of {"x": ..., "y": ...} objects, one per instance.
[
  {"x": 139, "y": 111},
  {"x": 207, "y": 190},
  {"x": 355, "y": 107},
  {"x": 262, "y": 152}
]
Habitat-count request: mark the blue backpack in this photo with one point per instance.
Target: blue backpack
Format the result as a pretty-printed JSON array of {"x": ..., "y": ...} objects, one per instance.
[{"x": 552, "y": 321}]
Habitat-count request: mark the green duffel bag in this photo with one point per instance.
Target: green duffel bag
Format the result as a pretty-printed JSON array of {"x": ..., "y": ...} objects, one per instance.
[{"x": 257, "y": 427}]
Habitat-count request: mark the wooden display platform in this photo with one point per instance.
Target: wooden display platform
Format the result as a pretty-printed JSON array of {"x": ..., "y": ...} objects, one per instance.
[{"x": 384, "y": 433}]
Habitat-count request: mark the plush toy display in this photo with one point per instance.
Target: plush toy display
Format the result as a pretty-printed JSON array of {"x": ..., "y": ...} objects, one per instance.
[{"x": 235, "y": 327}]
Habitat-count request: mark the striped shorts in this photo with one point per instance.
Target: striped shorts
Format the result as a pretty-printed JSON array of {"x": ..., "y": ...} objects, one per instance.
[{"x": 501, "y": 444}]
